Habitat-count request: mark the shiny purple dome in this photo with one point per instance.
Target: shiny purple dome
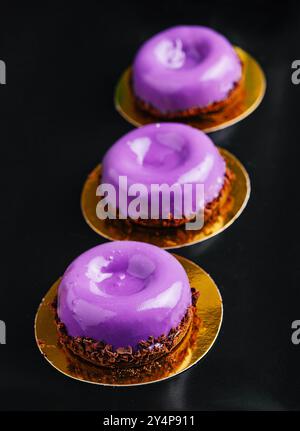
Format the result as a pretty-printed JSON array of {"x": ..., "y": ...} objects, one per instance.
[
  {"x": 166, "y": 153},
  {"x": 185, "y": 67},
  {"x": 122, "y": 292}
]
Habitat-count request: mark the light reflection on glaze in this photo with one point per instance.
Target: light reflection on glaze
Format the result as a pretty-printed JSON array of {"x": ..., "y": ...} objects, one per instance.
[
  {"x": 140, "y": 147},
  {"x": 184, "y": 67},
  {"x": 199, "y": 173},
  {"x": 170, "y": 53},
  {"x": 165, "y": 153},
  {"x": 166, "y": 299},
  {"x": 123, "y": 292}
]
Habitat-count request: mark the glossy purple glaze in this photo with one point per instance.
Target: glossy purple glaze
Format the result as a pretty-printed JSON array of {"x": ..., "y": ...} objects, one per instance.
[
  {"x": 169, "y": 153},
  {"x": 122, "y": 292},
  {"x": 185, "y": 67}
]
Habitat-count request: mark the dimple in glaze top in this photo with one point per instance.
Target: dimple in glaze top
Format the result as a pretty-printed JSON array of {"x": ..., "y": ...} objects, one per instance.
[
  {"x": 185, "y": 67},
  {"x": 166, "y": 153},
  {"x": 122, "y": 292}
]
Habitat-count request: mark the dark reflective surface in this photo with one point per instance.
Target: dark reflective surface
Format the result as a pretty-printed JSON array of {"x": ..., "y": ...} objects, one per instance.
[{"x": 58, "y": 118}]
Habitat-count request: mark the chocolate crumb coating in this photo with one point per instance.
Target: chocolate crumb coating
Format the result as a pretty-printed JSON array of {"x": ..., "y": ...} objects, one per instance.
[
  {"x": 154, "y": 370},
  {"x": 101, "y": 354},
  {"x": 234, "y": 96}
]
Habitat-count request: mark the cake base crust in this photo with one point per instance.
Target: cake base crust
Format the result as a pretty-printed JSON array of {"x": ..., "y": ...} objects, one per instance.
[
  {"x": 211, "y": 210},
  {"x": 234, "y": 95},
  {"x": 101, "y": 354}
]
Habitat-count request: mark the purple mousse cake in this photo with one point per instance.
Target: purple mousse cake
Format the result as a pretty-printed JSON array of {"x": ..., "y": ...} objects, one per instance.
[
  {"x": 123, "y": 303},
  {"x": 167, "y": 154},
  {"x": 185, "y": 71}
]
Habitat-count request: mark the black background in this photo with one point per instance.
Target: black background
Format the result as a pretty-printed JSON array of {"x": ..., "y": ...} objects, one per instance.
[{"x": 57, "y": 119}]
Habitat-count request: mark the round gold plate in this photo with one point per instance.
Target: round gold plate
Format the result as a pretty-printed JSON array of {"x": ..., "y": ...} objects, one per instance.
[
  {"x": 254, "y": 90},
  {"x": 199, "y": 340},
  {"x": 168, "y": 238}
]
